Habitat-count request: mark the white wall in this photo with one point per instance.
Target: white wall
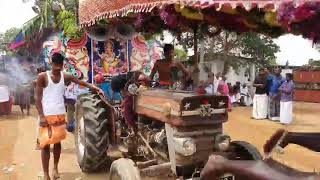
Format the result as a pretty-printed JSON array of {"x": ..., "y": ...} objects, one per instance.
[
  {"x": 285, "y": 71},
  {"x": 217, "y": 66}
]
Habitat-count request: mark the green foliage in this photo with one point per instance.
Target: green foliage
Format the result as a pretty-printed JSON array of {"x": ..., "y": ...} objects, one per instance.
[
  {"x": 67, "y": 21},
  {"x": 7, "y": 37},
  {"x": 10, "y": 34},
  {"x": 315, "y": 63},
  {"x": 259, "y": 47},
  {"x": 236, "y": 50},
  {"x": 180, "y": 54}
]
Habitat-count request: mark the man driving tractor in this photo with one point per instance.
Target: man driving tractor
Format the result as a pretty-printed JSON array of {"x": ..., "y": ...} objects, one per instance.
[{"x": 167, "y": 67}]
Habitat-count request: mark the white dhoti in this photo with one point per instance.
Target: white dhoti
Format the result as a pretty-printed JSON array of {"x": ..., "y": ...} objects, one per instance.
[
  {"x": 286, "y": 112},
  {"x": 248, "y": 100},
  {"x": 260, "y": 106}
]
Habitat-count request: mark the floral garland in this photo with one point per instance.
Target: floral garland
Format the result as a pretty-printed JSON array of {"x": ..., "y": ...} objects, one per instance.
[{"x": 303, "y": 19}]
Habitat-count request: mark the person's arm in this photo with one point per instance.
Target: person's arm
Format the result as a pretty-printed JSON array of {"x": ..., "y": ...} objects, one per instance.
[
  {"x": 40, "y": 85},
  {"x": 288, "y": 89},
  {"x": 249, "y": 170},
  {"x": 154, "y": 70},
  {"x": 307, "y": 140},
  {"x": 184, "y": 70},
  {"x": 256, "y": 83},
  {"x": 70, "y": 78}
]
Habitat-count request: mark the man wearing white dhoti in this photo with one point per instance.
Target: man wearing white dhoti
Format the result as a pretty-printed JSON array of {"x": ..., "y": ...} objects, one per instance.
[
  {"x": 260, "y": 99},
  {"x": 286, "y": 102}
]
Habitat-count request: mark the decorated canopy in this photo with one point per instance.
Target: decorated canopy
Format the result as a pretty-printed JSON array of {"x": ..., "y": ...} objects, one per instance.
[
  {"x": 271, "y": 17},
  {"x": 91, "y": 11}
]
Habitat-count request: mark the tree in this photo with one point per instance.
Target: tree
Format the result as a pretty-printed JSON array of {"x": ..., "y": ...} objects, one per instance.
[
  {"x": 181, "y": 54},
  {"x": 7, "y": 37},
  {"x": 246, "y": 48},
  {"x": 260, "y": 48}
]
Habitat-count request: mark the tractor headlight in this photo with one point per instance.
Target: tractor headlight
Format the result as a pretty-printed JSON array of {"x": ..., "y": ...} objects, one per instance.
[
  {"x": 184, "y": 146},
  {"x": 222, "y": 142}
]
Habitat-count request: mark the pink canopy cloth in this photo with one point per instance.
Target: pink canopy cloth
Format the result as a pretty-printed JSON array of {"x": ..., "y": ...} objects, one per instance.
[
  {"x": 91, "y": 11},
  {"x": 270, "y": 17}
]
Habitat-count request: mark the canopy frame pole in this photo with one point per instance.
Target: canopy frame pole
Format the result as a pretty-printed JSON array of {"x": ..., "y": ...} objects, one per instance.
[{"x": 92, "y": 59}]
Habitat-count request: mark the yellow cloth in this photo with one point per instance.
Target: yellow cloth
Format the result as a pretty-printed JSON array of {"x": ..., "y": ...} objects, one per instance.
[{"x": 54, "y": 132}]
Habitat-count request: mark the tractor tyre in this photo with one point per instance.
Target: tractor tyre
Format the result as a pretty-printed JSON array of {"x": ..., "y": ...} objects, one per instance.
[
  {"x": 91, "y": 133},
  {"x": 124, "y": 169}
]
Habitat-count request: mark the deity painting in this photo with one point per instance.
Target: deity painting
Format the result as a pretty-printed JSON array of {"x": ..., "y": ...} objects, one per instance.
[
  {"x": 53, "y": 43},
  {"x": 77, "y": 62},
  {"x": 77, "y": 59},
  {"x": 143, "y": 54},
  {"x": 112, "y": 57}
]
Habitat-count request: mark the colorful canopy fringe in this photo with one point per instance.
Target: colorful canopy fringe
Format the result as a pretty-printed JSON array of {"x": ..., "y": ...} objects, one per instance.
[
  {"x": 91, "y": 11},
  {"x": 271, "y": 17}
]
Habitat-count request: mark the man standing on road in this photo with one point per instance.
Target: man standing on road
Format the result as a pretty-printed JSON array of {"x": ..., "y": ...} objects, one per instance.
[
  {"x": 286, "y": 102},
  {"x": 274, "y": 95},
  {"x": 50, "y": 88},
  {"x": 260, "y": 99}
]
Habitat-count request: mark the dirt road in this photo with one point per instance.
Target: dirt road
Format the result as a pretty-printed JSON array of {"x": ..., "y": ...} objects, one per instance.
[{"x": 19, "y": 160}]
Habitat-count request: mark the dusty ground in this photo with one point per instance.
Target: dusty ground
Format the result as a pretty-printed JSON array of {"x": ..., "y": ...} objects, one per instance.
[{"x": 17, "y": 143}]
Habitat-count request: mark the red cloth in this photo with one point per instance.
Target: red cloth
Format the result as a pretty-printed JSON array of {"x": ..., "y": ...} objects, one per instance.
[
  {"x": 165, "y": 83},
  {"x": 6, "y": 107},
  {"x": 224, "y": 90},
  {"x": 129, "y": 114},
  {"x": 201, "y": 90}
]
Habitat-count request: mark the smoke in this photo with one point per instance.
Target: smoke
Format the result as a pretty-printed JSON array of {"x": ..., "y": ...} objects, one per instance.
[{"x": 16, "y": 75}]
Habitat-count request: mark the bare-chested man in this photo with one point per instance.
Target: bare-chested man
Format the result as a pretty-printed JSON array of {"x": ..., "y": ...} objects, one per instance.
[{"x": 165, "y": 67}]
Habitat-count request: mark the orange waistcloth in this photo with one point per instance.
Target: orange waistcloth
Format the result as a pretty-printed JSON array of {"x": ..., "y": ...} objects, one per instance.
[{"x": 54, "y": 132}]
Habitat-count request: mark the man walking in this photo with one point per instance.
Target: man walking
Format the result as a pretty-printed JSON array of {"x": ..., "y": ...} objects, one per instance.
[
  {"x": 286, "y": 102},
  {"x": 50, "y": 88},
  {"x": 274, "y": 96},
  {"x": 260, "y": 99}
]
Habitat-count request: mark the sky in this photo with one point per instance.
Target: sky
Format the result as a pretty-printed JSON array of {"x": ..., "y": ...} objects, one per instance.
[
  {"x": 14, "y": 13},
  {"x": 295, "y": 49}
]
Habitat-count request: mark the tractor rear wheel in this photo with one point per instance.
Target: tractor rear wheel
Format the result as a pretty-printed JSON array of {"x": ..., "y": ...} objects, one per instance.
[{"x": 91, "y": 134}]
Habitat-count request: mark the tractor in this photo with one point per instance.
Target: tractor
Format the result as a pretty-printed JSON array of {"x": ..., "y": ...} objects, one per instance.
[{"x": 176, "y": 133}]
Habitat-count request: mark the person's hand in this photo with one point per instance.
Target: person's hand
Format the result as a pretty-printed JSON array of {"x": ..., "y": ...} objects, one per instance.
[
  {"x": 214, "y": 168},
  {"x": 43, "y": 122},
  {"x": 274, "y": 139},
  {"x": 98, "y": 90}
]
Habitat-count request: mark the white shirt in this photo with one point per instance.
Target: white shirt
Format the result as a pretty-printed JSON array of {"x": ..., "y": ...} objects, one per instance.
[
  {"x": 53, "y": 97},
  {"x": 216, "y": 84}
]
